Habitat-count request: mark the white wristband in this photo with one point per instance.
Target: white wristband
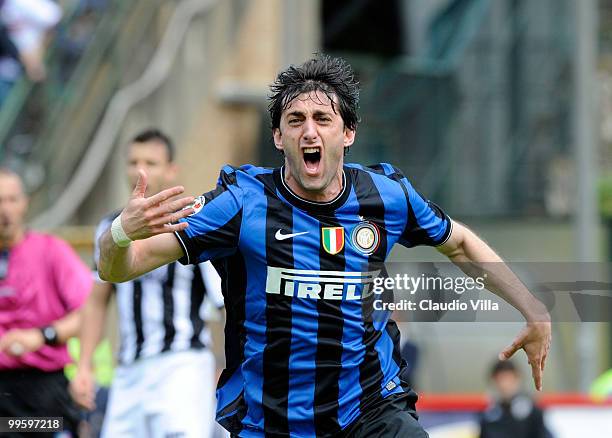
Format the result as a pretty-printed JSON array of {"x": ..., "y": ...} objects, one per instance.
[{"x": 119, "y": 237}]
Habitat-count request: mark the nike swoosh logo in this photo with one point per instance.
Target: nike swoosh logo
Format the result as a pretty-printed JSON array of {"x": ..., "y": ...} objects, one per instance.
[{"x": 280, "y": 236}]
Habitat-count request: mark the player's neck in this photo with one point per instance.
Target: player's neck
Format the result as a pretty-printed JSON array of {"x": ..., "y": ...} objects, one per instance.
[{"x": 328, "y": 194}]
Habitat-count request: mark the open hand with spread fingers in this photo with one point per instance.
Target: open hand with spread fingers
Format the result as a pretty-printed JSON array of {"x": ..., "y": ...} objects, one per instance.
[
  {"x": 145, "y": 217},
  {"x": 535, "y": 339}
]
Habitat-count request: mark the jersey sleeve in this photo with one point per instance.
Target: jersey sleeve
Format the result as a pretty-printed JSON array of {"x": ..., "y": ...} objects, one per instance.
[
  {"x": 214, "y": 227},
  {"x": 212, "y": 282},
  {"x": 426, "y": 224}
]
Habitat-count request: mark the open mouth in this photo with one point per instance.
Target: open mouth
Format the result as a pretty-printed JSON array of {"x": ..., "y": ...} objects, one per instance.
[{"x": 312, "y": 158}]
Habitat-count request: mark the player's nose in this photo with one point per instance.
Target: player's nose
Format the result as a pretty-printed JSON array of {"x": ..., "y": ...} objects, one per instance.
[{"x": 309, "y": 130}]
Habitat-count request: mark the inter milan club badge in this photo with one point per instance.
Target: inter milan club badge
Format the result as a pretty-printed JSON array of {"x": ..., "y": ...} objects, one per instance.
[
  {"x": 332, "y": 239},
  {"x": 197, "y": 205},
  {"x": 365, "y": 238}
]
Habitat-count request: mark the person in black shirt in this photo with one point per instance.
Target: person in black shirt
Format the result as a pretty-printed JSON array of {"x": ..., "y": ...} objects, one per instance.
[{"x": 514, "y": 413}]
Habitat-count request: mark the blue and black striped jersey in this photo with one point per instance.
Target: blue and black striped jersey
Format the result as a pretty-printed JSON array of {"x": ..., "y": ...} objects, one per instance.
[{"x": 305, "y": 356}]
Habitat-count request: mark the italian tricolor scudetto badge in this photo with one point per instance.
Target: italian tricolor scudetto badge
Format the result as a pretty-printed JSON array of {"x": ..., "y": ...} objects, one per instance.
[{"x": 332, "y": 239}]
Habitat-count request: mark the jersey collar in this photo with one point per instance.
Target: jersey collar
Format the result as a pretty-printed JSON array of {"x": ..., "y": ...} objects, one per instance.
[{"x": 313, "y": 206}]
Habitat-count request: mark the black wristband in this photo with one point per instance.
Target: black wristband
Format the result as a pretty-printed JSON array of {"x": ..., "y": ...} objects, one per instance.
[{"x": 50, "y": 335}]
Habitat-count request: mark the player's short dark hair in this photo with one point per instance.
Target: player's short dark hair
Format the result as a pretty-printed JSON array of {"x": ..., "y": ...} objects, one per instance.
[
  {"x": 501, "y": 366},
  {"x": 156, "y": 135},
  {"x": 332, "y": 76}
]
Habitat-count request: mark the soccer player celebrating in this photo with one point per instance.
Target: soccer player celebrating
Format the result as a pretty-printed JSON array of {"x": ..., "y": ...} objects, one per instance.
[{"x": 296, "y": 247}]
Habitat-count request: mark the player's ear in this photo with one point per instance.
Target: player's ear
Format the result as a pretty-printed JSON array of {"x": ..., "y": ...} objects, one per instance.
[
  {"x": 349, "y": 137},
  {"x": 278, "y": 138}
]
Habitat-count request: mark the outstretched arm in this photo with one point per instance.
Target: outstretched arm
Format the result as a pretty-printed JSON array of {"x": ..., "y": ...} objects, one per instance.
[
  {"x": 476, "y": 258},
  {"x": 149, "y": 223}
]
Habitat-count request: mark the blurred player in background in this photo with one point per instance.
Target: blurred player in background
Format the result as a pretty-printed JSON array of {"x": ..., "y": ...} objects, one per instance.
[
  {"x": 164, "y": 385},
  {"x": 514, "y": 413},
  {"x": 29, "y": 22},
  {"x": 43, "y": 283},
  {"x": 295, "y": 245}
]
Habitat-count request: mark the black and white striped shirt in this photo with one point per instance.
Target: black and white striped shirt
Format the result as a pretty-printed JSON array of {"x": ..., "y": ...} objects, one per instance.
[{"x": 165, "y": 309}]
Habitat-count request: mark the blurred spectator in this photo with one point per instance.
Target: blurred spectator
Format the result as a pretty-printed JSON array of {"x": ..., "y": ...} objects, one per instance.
[
  {"x": 27, "y": 22},
  {"x": 43, "y": 283},
  {"x": 513, "y": 413},
  {"x": 165, "y": 378},
  {"x": 7, "y": 47},
  {"x": 74, "y": 38},
  {"x": 9, "y": 55}
]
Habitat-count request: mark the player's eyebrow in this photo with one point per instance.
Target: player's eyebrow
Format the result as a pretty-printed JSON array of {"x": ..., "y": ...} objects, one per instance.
[
  {"x": 316, "y": 113},
  {"x": 296, "y": 113},
  {"x": 322, "y": 113}
]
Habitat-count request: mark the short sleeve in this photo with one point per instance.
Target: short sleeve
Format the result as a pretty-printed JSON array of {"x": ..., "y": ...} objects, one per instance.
[
  {"x": 426, "y": 224},
  {"x": 214, "y": 227},
  {"x": 72, "y": 277},
  {"x": 212, "y": 281}
]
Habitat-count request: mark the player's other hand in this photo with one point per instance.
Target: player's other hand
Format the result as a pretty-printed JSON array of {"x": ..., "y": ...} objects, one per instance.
[
  {"x": 82, "y": 388},
  {"x": 146, "y": 217},
  {"x": 535, "y": 339}
]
